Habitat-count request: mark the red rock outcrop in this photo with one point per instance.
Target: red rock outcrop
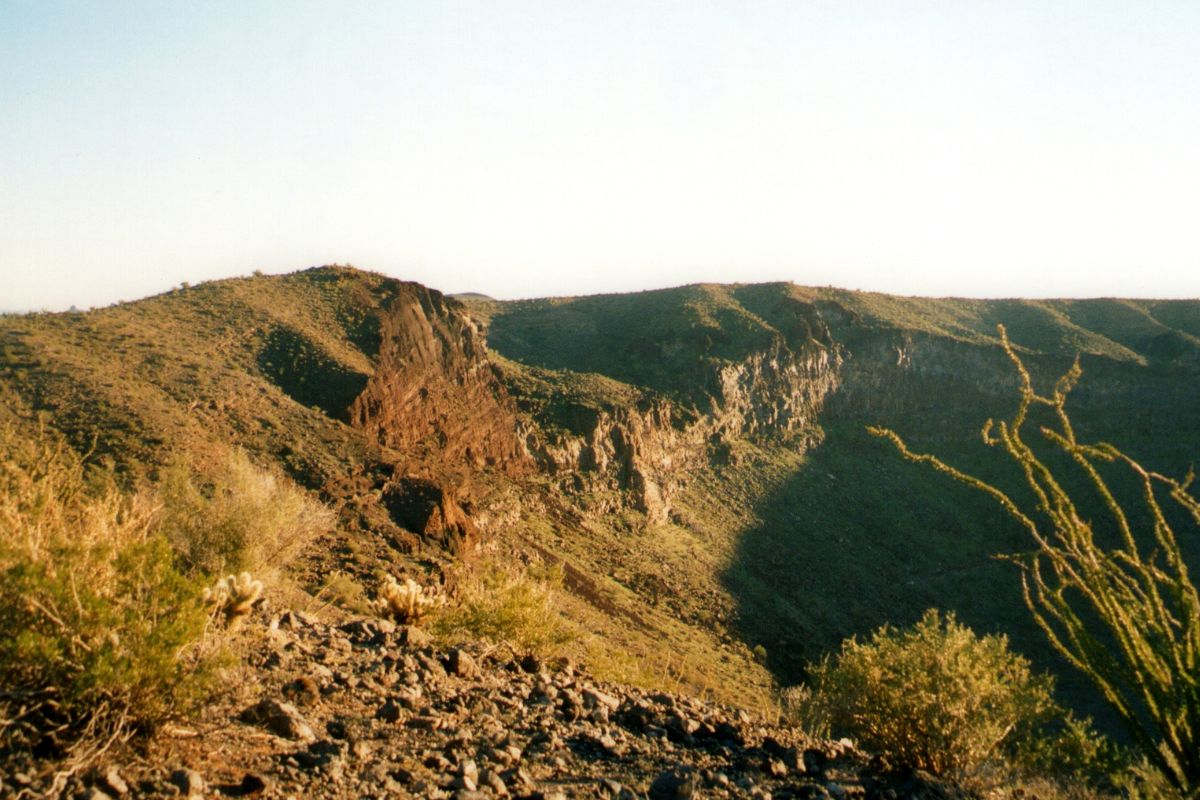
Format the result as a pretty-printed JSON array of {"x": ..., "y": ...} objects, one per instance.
[
  {"x": 434, "y": 397},
  {"x": 430, "y": 510}
]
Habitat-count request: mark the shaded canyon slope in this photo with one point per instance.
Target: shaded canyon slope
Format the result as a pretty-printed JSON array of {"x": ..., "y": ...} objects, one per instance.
[
  {"x": 816, "y": 530},
  {"x": 695, "y": 457}
]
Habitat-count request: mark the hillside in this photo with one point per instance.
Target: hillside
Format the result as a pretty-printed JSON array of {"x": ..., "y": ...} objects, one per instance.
[
  {"x": 693, "y": 460},
  {"x": 816, "y": 530}
]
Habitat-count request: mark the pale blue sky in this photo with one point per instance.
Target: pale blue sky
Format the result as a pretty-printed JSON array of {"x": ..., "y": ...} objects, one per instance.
[{"x": 1001, "y": 148}]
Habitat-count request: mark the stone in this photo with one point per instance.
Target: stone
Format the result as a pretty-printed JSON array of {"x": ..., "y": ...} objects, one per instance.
[
  {"x": 459, "y": 662},
  {"x": 414, "y": 637},
  {"x": 112, "y": 782},
  {"x": 90, "y": 793},
  {"x": 304, "y": 690},
  {"x": 390, "y": 711},
  {"x": 252, "y": 783},
  {"x": 189, "y": 782},
  {"x": 676, "y": 784},
  {"x": 281, "y": 719}
]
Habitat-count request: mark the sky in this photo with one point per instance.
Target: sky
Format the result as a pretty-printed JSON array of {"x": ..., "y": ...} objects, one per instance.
[{"x": 987, "y": 149}]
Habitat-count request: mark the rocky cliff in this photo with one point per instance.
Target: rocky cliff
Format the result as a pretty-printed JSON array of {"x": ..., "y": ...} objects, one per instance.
[
  {"x": 433, "y": 395},
  {"x": 719, "y": 374}
]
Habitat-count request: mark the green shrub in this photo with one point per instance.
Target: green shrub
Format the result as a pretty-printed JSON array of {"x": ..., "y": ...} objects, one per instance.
[
  {"x": 1126, "y": 615},
  {"x": 1063, "y": 746},
  {"x": 246, "y": 518},
  {"x": 504, "y": 604},
  {"x": 96, "y": 621},
  {"x": 344, "y": 591},
  {"x": 934, "y": 696}
]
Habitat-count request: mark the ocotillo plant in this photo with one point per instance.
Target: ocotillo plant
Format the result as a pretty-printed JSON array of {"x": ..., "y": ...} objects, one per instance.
[{"x": 1127, "y": 616}]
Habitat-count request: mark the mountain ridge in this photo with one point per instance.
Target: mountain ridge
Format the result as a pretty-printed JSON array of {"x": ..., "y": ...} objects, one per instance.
[{"x": 694, "y": 456}]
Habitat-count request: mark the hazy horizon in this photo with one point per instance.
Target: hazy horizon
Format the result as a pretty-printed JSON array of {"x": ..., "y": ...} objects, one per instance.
[
  {"x": 1024, "y": 149},
  {"x": 665, "y": 287}
]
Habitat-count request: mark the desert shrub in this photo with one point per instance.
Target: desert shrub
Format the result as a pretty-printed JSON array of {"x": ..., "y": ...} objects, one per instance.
[
  {"x": 340, "y": 589},
  {"x": 1126, "y": 615},
  {"x": 799, "y": 706},
  {"x": 245, "y": 518},
  {"x": 934, "y": 696},
  {"x": 506, "y": 604},
  {"x": 1064, "y": 746},
  {"x": 96, "y": 621}
]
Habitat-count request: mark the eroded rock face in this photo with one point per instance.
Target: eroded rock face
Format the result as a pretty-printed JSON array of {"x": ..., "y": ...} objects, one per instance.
[
  {"x": 649, "y": 450},
  {"x": 429, "y": 509},
  {"x": 434, "y": 397}
]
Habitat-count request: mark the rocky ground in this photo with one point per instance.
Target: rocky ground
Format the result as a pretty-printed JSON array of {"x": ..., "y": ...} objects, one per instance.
[{"x": 368, "y": 709}]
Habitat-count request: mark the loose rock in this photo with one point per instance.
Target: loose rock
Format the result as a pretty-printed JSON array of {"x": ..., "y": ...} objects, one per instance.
[
  {"x": 282, "y": 719},
  {"x": 189, "y": 782}
]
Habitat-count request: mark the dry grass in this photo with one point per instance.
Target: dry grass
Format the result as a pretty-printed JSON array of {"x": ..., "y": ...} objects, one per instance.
[
  {"x": 246, "y": 518},
  {"x": 97, "y": 625},
  {"x": 508, "y": 606}
]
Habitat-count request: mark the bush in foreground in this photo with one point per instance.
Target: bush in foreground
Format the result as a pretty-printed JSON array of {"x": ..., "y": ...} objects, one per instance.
[
  {"x": 245, "y": 518},
  {"x": 1126, "y": 614},
  {"x": 96, "y": 621},
  {"x": 935, "y": 696}
]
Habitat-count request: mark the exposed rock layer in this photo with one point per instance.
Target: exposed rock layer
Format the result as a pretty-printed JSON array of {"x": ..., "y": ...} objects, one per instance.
[
  {"x": 648, "y": 450},
  {"x": 434, "y": 398}
]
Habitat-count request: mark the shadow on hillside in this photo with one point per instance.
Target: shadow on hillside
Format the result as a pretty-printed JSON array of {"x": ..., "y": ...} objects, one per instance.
[
  {"x": 858, "y": 538},
  {"x": 308, "y": 375}
]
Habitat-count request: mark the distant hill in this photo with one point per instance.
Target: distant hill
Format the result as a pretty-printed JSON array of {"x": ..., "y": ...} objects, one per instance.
[{"x": 696, "y": 457}]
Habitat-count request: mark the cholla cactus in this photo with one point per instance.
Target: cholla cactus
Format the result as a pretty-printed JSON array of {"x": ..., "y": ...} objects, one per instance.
[
  {"x": 234, "y": 596},
  {"x": 404, "y": 602}
]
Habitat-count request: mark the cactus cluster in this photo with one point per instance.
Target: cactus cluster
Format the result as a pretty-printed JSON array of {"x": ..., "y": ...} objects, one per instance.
[
  {"x": 404, "y": 602},
  {"x": 234, "y": 596}
]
